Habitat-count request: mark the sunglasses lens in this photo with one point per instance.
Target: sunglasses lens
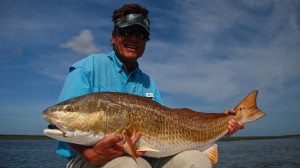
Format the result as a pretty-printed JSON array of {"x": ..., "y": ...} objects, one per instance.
[
  {"x": 127, "y": 32},
  {"x": 140, "y": 35},
  {"x": 123, "y": 32}
]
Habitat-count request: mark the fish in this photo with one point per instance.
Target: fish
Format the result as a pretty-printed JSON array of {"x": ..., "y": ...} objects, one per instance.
[{"x": 165, "y": 131}]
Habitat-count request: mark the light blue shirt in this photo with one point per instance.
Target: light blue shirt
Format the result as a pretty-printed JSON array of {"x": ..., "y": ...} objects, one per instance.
[{"x": 103, "y": 73}]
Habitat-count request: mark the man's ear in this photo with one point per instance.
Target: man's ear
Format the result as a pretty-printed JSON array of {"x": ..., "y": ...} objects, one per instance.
[{"x": 113, "y": 39}]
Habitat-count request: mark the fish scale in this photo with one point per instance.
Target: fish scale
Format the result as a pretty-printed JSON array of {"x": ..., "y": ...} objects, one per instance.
[{"x": 164, "y": 131}]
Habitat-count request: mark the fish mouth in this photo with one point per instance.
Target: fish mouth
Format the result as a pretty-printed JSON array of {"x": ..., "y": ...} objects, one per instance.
[
  {"x": 71, "y": 135},
  {"x": 58, "y": 128}
]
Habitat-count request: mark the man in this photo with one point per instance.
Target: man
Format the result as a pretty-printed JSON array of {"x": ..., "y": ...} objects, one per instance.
[{"x": 118, "y": 71}]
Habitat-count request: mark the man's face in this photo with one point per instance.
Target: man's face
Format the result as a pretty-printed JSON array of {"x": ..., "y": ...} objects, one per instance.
[{"x": 128, "y": 43}]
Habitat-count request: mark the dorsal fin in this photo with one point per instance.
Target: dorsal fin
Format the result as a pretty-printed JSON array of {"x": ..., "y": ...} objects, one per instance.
[{"x": 212, "y": 153}]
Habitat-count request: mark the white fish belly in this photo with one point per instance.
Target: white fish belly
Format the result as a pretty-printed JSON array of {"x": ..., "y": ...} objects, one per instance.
[{"x": 169, "y": 149}]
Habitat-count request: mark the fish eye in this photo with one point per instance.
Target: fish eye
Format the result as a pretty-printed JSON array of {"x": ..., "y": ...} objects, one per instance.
[{"x": 69, "y": 108}]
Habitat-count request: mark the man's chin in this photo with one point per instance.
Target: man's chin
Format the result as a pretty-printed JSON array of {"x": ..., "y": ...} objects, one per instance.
[{"x": 132, "y": 56}]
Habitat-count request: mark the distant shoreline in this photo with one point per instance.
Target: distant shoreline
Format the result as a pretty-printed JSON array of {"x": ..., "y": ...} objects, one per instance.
[
  {"x": 24, "y": 137},
  {"x": 258, "y": 137},
  {"x": 42, "y": 137}
]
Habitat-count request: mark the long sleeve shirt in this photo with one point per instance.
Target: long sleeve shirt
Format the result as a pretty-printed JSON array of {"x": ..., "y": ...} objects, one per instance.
[{"x": 103, "y": 73}]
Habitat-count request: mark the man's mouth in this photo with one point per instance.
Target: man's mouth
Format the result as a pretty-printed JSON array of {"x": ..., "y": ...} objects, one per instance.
[{"x": 131, "y": 46}]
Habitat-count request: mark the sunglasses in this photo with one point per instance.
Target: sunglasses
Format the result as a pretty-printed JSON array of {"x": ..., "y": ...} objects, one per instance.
[{"x": 127, "y": 32}]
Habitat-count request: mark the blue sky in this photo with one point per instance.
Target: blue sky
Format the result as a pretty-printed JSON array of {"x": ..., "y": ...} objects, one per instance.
[{"x": 204, "y": 55}]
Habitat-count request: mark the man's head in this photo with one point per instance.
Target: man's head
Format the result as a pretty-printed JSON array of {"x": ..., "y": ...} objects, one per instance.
[
  {"x": 131, "y": 32},
  {"x": 131, "y": 14}
]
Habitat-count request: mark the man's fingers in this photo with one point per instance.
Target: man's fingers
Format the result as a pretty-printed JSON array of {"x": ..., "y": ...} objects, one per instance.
[
  {"x": 111, "y": 141},
  {"x": 139, "y": 153},
  {"x": 230, "y": 111},
  {"x": 111, "y": 146},
  {"x": 241, "y": 125},
  {"x": 136, "y": 137},
  {"x": 234, "y": 126}
]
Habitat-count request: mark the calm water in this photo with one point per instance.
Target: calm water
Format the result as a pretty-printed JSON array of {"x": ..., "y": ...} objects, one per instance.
[{"x": 238, "y": 154}]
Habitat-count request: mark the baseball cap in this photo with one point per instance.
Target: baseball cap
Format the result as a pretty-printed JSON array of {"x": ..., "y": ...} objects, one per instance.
[{"x": 133, "y": 19}]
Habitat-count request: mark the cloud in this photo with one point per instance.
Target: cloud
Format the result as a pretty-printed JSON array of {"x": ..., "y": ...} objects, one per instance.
[
  {"x": 83, "y": 43},
  {"x": 49, "y": 65},
  {"x": 227, "y": 50}
]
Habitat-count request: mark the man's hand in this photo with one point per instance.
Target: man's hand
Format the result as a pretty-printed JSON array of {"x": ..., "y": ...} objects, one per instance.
[
  {"x": 102, "y": 152},
  {"x": 105, "y": 150},
  {"x": 233, "y": 125},
  {"x": 134, "y": 140}
]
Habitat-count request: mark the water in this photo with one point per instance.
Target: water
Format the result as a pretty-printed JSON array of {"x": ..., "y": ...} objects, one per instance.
[
  {"x": 239, "y": 154},
  {"x": 260, "y": 153},
  {"x": 29, "y": 154}
]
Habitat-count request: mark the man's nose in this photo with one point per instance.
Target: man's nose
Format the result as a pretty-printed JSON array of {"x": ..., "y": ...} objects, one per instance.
[{"x": 133, "y": 37}]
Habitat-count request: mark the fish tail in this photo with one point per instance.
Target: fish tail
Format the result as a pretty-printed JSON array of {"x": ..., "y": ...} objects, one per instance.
[{"x": 248, "y": 108}]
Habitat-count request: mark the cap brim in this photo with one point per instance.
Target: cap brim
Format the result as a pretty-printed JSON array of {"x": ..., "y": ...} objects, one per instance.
[
  {"x": 127, "y": 25},
  {"x": 133, "y": 19}
]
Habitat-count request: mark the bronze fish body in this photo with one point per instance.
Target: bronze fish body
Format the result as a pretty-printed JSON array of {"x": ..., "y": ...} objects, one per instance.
[{"x": 164, "y": 131}]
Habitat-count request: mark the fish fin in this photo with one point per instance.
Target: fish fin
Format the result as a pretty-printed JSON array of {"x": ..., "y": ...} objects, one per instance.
[
  {"x": 212, "y": 153},
  {"x": 129, "y": 147},
  {"x": 249, "y": 108},
  {"x": 147, "y": 150}
]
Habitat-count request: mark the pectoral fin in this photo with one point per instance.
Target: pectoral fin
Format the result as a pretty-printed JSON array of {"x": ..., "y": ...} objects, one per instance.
[
  {"x": 129, "y": 147},
  {"x": 212, "y": 153}
]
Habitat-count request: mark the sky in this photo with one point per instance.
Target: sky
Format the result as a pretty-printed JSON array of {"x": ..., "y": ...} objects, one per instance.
[{"x": 203, "y": 55}]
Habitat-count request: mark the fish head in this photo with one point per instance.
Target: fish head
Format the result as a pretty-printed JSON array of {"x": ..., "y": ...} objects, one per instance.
[{"x": 83, "y": 120}]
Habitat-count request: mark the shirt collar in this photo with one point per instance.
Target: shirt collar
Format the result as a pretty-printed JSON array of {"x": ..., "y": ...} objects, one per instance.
[{"x": 120, "y": 66}]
